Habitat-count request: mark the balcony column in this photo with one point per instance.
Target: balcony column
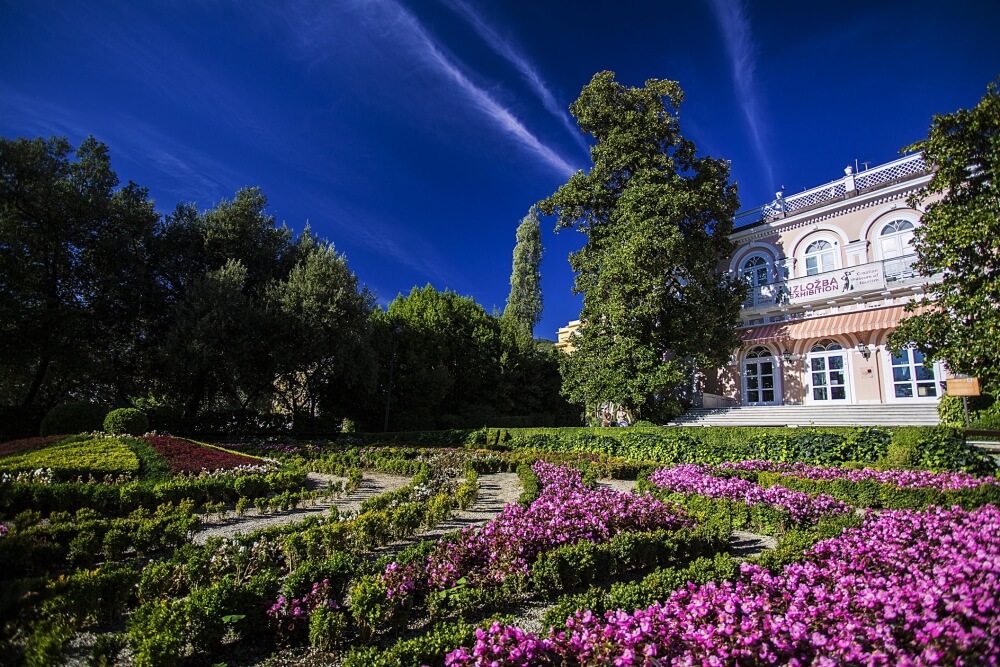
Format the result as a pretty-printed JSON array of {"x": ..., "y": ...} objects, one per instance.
[
  {"x": 857, "y": 252},
  {"x": 850, "y": 187}
]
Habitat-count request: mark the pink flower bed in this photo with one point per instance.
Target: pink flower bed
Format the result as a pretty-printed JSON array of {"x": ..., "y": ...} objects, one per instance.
[
  {"x": 185, "y": 456},
  {"x": 904, "y": 479},
  {"x": 566, "y": 512},
  {"x": 907, "y": 588},
  {"x": 692, "y": 478}
]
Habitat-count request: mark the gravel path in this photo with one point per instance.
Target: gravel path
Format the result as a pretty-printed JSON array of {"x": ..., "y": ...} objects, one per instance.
[
  {"x": 372, "y": 484},
  {"x": 496, "y": 490}
]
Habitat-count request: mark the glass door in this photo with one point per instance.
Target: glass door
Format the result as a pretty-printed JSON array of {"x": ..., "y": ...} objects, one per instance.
[
  {"x": 828, "y": 373},
  {"x": 759, "y": 385}
]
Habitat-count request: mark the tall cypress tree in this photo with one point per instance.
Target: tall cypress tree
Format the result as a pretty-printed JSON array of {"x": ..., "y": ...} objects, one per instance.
[{"x": 524, "y": 305}]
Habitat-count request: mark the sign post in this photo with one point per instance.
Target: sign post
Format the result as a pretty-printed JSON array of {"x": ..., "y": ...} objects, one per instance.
[{"x": 964, "y": 387}]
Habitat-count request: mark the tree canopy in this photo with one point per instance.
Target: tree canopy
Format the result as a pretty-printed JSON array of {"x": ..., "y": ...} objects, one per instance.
[
  {"x": 223, "y": 320},
  {"x": 657, "y": 219},
  {"x": 959, "y": 239}
]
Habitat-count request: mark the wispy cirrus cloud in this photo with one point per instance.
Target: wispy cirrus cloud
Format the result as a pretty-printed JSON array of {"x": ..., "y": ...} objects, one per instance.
[
  {"x": 506, "y": 50},
  {"x": 429, "y": 50},
  {"x": 735, "y": 23}
]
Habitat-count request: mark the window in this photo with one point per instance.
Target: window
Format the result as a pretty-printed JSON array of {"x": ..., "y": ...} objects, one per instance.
[
  {"x": 756, "y": 271},
  {"x": 896, "y": 239},
  {"x": 910, "y": 378},
  {"x": 820, "y": 257}
]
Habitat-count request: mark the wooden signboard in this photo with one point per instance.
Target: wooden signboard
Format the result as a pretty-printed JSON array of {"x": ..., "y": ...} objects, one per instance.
[{"x": 963, "y": 387}]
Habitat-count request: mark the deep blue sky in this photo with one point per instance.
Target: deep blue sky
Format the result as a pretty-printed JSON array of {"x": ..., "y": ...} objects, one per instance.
[{"x": 416, "y": 135}]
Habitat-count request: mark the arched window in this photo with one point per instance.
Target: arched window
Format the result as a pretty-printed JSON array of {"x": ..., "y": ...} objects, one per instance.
[
  {"x": 756, "y": 271},
  {"x": 758, "y": 352},
  {"x": 826, "y": 346},
  {"x": 896, "y": 239},
  {"x": 820, "y": 257}
]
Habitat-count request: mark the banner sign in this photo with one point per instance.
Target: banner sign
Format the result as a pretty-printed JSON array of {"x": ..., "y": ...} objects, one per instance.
[{"x": 832, "y": 284}]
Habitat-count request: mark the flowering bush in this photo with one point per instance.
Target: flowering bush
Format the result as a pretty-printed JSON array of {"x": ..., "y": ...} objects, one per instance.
[
  {"x": 286, "y": 611},
  {"x": 36, "y": 476},
  {"x": 691, "y": 478},
  {"x": 904, "y": 479},
  {"x": 566, "y": 512},
  {"x": 185, "y": 456},
  {"x": 907, "y": 588}
]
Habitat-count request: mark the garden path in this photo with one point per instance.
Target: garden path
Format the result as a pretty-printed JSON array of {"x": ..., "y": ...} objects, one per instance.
[{"x": 373, "y": 484}]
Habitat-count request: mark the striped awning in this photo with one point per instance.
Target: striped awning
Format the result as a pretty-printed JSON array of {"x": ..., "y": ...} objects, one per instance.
[{"x": 873, "y": 319}]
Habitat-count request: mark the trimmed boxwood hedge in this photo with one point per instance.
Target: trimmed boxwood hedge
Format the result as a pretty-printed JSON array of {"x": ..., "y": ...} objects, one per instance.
[{"x": 933, "y": 447}]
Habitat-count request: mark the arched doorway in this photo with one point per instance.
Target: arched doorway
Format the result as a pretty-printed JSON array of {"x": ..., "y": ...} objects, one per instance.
[
  {"x": 827, "y": 363},
  {"x": 759, "y": 378}
]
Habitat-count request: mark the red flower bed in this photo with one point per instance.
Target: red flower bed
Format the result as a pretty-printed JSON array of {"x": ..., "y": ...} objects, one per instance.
[
  {"x": 28, "y": 444},
  {"x": 190, "y": 457}
]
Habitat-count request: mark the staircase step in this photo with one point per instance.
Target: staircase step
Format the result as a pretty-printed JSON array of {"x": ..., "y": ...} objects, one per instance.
[{"x": 808, "y": 415}]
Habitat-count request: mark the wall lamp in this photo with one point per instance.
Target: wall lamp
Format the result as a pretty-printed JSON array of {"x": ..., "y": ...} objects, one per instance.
[
  {"x": 865, "y": 351},
  {"x": 787, "y": 356}
]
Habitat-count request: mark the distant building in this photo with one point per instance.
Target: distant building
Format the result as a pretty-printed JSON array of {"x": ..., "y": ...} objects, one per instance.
[
  {"x": 830, "y": 271},
  {"x": 565, "y": 335}
]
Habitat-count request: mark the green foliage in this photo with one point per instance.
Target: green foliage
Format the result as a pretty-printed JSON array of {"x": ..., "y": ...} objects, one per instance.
[
  {"x": 327, "y": 628},
  {"x": 944, "y": 448},
  {"x": 959, "y": 240},
  {"x": 96, "y": 456},
  {"x": 47, "y": 642},
  {"x": 657, "y": 219},
  {"x": 370, "y": 607},
  {"x": 75, "y": 417},
  {"x": 427, "y": 649},
  {"x": 338, "y": 568},
  {"x": 74, "y": 300},
  {"x": 126, "y": 421},
  {"x": 446, "y": 352},
  {"x": 323, "y": 353},
  {"x": 524, "y": 304},
  {"x": 631, "y": 595}
]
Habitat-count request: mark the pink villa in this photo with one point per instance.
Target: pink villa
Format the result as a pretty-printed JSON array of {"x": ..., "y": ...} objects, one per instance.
[{"x": 830, "y": 271}]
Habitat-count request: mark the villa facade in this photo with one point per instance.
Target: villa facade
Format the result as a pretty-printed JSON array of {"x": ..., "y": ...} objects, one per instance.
[{"x": 830, "y": 271}]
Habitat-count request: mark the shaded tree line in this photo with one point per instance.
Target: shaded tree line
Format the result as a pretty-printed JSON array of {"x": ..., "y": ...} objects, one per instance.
[{"x": 222, "y": 319}]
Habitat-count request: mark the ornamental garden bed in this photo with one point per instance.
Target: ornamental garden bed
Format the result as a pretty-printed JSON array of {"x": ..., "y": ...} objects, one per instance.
[{"x": 873, "y": 562}]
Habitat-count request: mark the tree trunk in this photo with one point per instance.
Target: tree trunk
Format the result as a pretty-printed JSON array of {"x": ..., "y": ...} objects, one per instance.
[{"x": 36, "y": 382}]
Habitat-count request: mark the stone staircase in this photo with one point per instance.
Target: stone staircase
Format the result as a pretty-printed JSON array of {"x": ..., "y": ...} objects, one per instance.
[{"x": 924, "y": 414}]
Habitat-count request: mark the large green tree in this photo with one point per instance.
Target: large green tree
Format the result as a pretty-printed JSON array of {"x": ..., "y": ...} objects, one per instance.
[
  {"x": 524, "y": 304},
  {"x": 323, "y": 360},
  {"x": 959, "y": 239},
  {"x": 443, "y": 352},
  {"x": 76, "y": 287},
  {"x": 657, "y": 219}
]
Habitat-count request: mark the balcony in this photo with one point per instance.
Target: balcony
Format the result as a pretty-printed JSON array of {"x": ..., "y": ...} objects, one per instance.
[
  {"x": 849, "y": 282},
  {"x": 851, "y": 185}
]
